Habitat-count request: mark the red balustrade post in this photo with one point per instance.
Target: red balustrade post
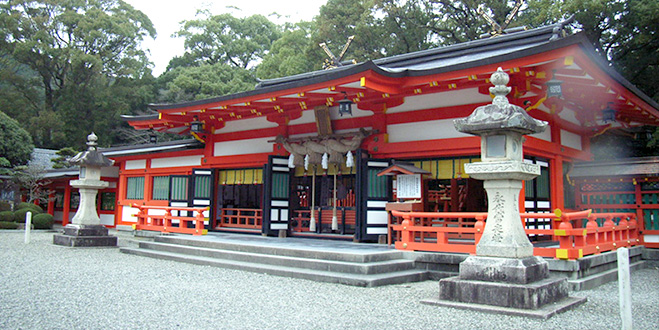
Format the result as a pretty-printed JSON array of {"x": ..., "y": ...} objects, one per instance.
[
  {"x": 623, "y": 231},
  {"x": 479, "y": 226},
  {"x": 591, "y": 225},
  {"x": 199, "y": 225},
  {"x": 633, "y": 231},
  {"x": 565, "y": 239},
  {"x": 609, "y": 226},
  {"x": 407, "y": 236},
  {"x": 167, "y": 220}
]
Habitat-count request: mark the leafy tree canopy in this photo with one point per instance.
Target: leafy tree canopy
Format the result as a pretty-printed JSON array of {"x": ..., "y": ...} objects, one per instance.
[
  {"x": 223, "y": 38},
  {"x": 81, "y": 53},
  {"x": 15, "y": 143}
]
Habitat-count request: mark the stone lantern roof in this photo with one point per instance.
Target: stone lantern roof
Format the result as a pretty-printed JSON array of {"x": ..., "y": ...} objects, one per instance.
[
  {"x": 91, "y": 157},
  {"x": 500, "y": 115}
]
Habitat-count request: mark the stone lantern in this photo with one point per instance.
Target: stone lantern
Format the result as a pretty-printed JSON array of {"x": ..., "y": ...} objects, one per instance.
[
  {"x": 85, "y": 228},
  {"x": 504, "y": 276}
]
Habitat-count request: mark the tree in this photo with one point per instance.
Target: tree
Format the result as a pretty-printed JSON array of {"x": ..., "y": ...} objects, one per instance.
[
  {"x": 30, "y": 179},
  {"x": 199, "y": 82},
  {"x": 294, "y": 52},
  {"x": 62, "y": 159},
  {"x": 81, "y": 52},
  {"x": 240, "y": 42},
  {"x": 15, "y": 143}
]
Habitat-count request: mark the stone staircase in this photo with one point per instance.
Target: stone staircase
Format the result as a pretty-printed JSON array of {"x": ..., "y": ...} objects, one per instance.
[{"x": 350, "y": 266}]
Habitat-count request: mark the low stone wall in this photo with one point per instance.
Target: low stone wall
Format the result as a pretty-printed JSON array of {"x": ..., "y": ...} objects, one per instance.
[{"x": 584, "y": 274}]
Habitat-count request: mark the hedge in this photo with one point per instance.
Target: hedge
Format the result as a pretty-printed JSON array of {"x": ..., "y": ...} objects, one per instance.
[
  {"x": 7, "y": 216},
  {"x": 34, "y": 207},
  {"x": 42, "y": 221},
  {"x": 8, "y": 225}
]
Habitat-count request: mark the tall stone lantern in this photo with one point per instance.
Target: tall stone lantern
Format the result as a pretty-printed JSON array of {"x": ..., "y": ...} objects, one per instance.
[
  {"x": 504, "y": 276},
  {"x": 85, "y": 228}
]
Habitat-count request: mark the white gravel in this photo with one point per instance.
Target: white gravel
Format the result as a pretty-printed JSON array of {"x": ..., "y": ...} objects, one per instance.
[{"x": 43, "y": 286}]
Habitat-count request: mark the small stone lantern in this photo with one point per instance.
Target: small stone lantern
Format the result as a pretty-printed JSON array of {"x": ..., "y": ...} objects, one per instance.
[
  {"x": 85, "y": 228},
  {"x": 504, "y": 273}
]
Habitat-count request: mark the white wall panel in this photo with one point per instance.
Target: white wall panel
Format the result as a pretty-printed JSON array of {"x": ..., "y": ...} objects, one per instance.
[
  {"x": 377, "y": 217},
  {"x": 127, "y": 214},
  {"x": 107, "y": 219},
  {"x": 571, "y": 140},
  {"x": 243, "y": 147},
  {"x": 425, "y": 130},
  {"x": 176, "y": 161},
  {"x": 246, "y": 125},
  {"x": 137, "y": 164}
]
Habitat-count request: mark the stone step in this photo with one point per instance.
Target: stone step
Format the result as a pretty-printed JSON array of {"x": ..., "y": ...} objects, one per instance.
[
  {"x": 364, "y": 280},
  {"x": 594, "y": 280},
  {"x": 365, "y": 268},
  {"x": 307, "y": 249}
]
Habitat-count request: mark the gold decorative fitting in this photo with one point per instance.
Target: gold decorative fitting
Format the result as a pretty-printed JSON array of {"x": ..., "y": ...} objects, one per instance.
[
  {"x": 404, "y": 245},
  {"x": 404, "y": 228},
  {"x": 614, "y": 245},
  {"x": 598, "y": 248}
]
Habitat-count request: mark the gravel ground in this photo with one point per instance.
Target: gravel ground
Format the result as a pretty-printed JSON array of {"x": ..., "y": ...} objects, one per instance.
[{"x": 43, "y": 286}]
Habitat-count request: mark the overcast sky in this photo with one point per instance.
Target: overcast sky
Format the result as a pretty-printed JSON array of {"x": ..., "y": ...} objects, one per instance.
[{"x": 167, "y": 14}]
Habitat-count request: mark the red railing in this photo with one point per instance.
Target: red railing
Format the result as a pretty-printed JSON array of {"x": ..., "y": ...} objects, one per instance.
[
  {"x": 239, "y": 218},
  {"x": 164, "y": 222},
  {"x": 346, "y": 219},
  {"x": 460, "y": 232}
]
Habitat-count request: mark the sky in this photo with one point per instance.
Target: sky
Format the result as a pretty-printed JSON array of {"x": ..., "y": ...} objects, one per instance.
[{"x": 167, "y": 14}]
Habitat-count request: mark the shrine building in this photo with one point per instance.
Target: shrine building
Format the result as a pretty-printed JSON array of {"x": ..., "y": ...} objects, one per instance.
[{"x": 262, "y": 160}]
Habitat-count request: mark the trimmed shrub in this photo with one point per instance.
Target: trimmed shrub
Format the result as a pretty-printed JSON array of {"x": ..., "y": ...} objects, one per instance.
[
  {"x": 7, "y": 216},
  {"x": 19, "y": 215},
  {"x": 8, "y": 225},
  {"x": 5, "y": 206},
  {"x": 42, "y": 221},
  {"x": 35, "y": 208}
]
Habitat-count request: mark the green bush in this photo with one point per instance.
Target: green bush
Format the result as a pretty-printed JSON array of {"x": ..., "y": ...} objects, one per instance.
[
  {"x": 19, "y": 215},
  {"x": 8, "y": 225},
  {"x": 43, "y": 221},
  {"x": 35, "y": 208},
  {"x": 5, "y": 206},
  {"x": 7, "y": 216}
]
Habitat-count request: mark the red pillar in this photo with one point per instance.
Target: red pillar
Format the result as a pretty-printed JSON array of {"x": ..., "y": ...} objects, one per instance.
[{"x": 67, "y": 204}]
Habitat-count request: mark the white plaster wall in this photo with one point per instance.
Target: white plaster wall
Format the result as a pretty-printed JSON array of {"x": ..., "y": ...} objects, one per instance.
[
  {"x": 111, "y": 172},
  {"x": 107, "y": 219},
  {"x": 246, "y": 125},
  {"x": 571, "y": 140},
  {"x": 425, "y": 130},
  {"x": 440, "y": 100},
  {"x": 569, "y": 115},
  {"x": 127, "y": 214},
  {"x": 243, "y": 147},
  {"x": 176, "y": 161},
  {"x": 137, "y": 164},
  {"x": 546, "y": 135}
]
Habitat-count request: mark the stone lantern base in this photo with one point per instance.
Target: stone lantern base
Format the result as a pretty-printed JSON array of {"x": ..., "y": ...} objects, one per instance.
[
  {"x": 508, "y": 286},
  {"x": 85, "y": 236}
]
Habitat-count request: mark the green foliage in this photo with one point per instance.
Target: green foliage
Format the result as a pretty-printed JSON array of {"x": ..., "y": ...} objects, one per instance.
[
  {"x": 19, "y": 215},
  {"x": 73, "y": 64},
  {"x": 34, "y": 207},
  {"x": 5, "y": 206},
  {"x": 293, "y": 53},
  {"x": 204, "y": 81},
  {"x": 61, "y": 161},
  {"x": 8, "y": 225},
  {"x": 240, "y": 42},
  {"x": 6, "y": 216},
  {"x": 43, "y": 221},
  {"x": 15, "y": 143}
]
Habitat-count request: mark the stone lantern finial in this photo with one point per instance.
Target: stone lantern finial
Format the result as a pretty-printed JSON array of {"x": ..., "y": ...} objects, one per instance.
[
  {"x": 91, "y": 141},
  {"x": 500, "y": 81}
]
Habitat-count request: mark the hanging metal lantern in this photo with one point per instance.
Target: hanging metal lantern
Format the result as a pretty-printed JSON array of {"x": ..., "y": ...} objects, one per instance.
[
  {"x": 554, "y": 88},
  {"x": 345, "y": 105}
]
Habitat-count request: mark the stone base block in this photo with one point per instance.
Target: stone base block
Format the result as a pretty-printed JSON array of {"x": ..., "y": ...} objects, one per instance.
[
  {"x": 543, "y": 312},
  {"x": 524, "y": 296},
  {"x": 85, "y": 236},
  {"x": 507, "y": 270}
]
